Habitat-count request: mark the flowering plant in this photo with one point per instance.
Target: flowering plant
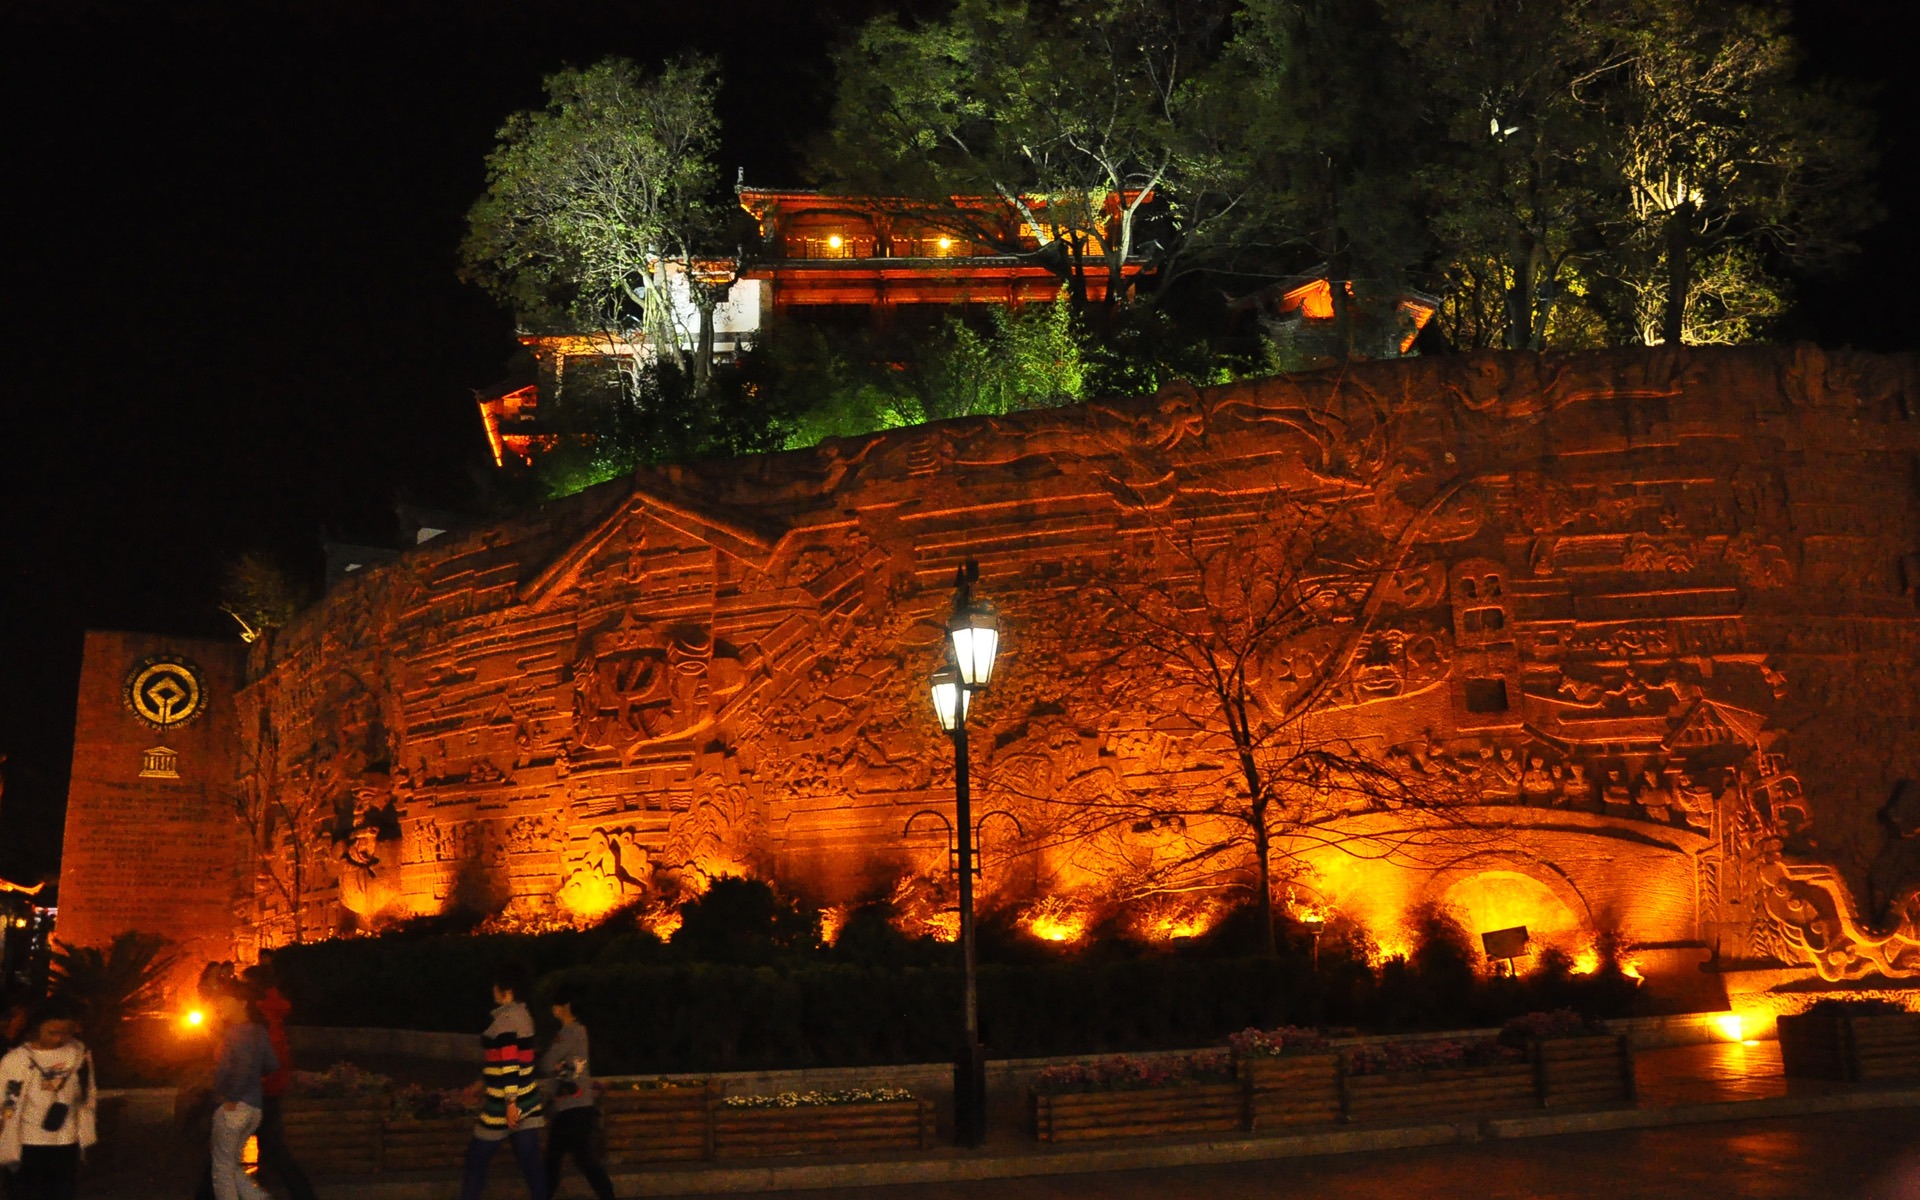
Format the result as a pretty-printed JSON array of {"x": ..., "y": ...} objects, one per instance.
[
  {"x": 1539, "y": 1026},
  {"x": 1121, "y": 1073},
  {"x": 868, "y": 1095},
  {"x": 412, "y": 1102},
  {"x": 1272, "y": 1043},
  {"x": 648, "y": 1085},
  {"x": 1427, "y": 1056},
  {"x": 339, "y": 1081}
]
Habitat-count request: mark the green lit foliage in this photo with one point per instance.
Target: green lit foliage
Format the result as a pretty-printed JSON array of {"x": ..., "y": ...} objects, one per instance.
[
  {"x": 594, "y": 200},
  {"x": 1031, "y": 357},
  {"x": 658, "y": 416}
]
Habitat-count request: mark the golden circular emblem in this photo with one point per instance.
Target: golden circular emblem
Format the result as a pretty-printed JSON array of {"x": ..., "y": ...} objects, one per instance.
[{"x": 165, "y": 692}]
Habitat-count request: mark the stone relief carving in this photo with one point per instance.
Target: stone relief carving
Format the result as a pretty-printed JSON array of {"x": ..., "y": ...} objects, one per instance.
[{"x": 795, "y": 631}]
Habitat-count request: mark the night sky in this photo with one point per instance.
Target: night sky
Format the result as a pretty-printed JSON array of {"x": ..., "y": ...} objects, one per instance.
[{"x": 231, "y": 321}]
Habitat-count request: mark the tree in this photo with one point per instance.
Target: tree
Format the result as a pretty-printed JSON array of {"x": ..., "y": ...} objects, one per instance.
[
  {"x": 1092, "y": 120},
  {"x": 601, "y": 206},
  {"x": 1333, "y": 145},
  {"x": 260, "y": 595},
  {"x": 283, "y": 818},
  {"x": 1722, "y": 161},
  {"x": 1261, "y": 644},
  {"x": 1626, "y": 170},
  {"x": 1512, "y": 190}
]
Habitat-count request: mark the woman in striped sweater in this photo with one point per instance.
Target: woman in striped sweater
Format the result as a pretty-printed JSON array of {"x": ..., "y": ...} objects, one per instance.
[{"x": 510, "y": 1110}]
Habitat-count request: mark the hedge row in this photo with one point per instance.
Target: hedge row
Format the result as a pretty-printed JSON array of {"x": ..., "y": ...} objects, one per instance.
[{"x": 703, "y": 1017}]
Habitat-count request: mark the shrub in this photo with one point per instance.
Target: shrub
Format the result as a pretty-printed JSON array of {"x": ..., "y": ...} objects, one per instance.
[
  {"x": 1539, "y": 1026},
  {"x": 1123, "y": 1074},
  {"x": 1276, "y": 1043},
  {"x": 1436, "y": 1054},
  {"x": 744, "y": 921}
]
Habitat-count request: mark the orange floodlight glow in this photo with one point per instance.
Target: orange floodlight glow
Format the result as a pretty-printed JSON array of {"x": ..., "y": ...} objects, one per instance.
[
  {"x": 1054, "y": 920},
  {"x": 1730, "y": 1026},
  {"x": 194, "y": 1018}
]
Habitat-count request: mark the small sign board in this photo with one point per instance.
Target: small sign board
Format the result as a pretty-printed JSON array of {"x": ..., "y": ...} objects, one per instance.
[{"x": 1505, "y": 943}]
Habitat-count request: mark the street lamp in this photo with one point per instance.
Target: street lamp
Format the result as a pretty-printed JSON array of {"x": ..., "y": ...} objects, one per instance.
[{"x": 974, "y": 633}]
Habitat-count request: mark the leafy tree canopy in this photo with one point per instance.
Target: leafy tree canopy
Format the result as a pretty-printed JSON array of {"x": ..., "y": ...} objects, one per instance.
[{"x": 596, "y": 203}]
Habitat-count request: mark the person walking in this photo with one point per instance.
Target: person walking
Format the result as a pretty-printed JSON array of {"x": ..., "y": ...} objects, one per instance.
[
  {"x": 246, "y": 1057},
  {"x": 571, "y": 1113},
  {"x": 47, "y": 1103},
  {"x": 510, "y": 1107},
  {"x": 275, "y": 1157}
]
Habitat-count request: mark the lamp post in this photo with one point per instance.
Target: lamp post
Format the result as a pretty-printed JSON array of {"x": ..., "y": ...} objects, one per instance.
[{"x": 974, "y": 634}]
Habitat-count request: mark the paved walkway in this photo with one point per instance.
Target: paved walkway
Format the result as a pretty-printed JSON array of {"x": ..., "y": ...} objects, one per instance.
[
  {"x": 1702, "y": 1095},
  {"x": 1834, "y": 1157}
]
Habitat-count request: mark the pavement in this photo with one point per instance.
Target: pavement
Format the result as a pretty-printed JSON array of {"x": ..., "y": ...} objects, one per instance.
[{"x": 1730, "y": 1100}]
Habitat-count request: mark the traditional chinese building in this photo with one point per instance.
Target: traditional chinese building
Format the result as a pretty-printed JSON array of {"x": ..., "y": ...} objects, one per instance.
[
  {"x": 1653, "y": 617},
  {"x": 874, "y": 261},
  {"x": 866, "y": 260}
]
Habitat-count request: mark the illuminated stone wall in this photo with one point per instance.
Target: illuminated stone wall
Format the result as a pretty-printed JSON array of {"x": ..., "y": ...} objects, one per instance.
[
  {"x": 1657, "y": 616},
  {"x": 150, "y": 841}
]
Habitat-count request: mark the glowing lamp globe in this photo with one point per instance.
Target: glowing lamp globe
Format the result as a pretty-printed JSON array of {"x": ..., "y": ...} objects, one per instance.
[
  {"x": 976, "y": 639},
  {"x": 949, "y": 699}
]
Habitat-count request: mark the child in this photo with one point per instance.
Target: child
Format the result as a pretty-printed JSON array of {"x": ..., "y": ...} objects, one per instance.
[
  {"x": 47, "y": 1098},
  {"x": 571, "y": 1113}
]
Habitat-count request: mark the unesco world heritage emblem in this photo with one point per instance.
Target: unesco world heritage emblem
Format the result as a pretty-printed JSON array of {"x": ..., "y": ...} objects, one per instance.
[{"x": 165, "y": 692}]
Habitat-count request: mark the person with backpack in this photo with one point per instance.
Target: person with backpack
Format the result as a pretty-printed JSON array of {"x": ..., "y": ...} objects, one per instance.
[
  {"x": 571, "y": 1110},
  {"x": 47, "y": 1107}
]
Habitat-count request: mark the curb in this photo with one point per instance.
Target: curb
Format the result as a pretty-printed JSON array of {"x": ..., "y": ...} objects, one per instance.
[{"x": 953, "y": 1167}]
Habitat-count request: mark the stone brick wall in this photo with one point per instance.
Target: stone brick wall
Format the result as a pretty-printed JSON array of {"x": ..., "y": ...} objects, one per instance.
[
  {"x": 150, "y": 838},
  {"x": 1653, "y": 613}
]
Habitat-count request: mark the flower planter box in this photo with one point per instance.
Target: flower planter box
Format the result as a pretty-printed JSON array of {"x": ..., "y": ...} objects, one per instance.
[
  {"x": 425, "y": 1144},
  {"x": 1142, "y": 1112},
  {"x": 1441, "y": 1092},
  {"x": 1293, "y": 1089},
  {"x": 1852, "y": 1048},
  {"x": 668, "y": 1124},
  {"x": 821, "y": 1128},
  {"x": 335, "y": 1134},
  {"x": 1584, "y": 1070}
]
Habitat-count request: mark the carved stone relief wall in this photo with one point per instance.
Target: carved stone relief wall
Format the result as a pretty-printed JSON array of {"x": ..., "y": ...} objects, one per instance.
[{"x": 1649, "y": 612}]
